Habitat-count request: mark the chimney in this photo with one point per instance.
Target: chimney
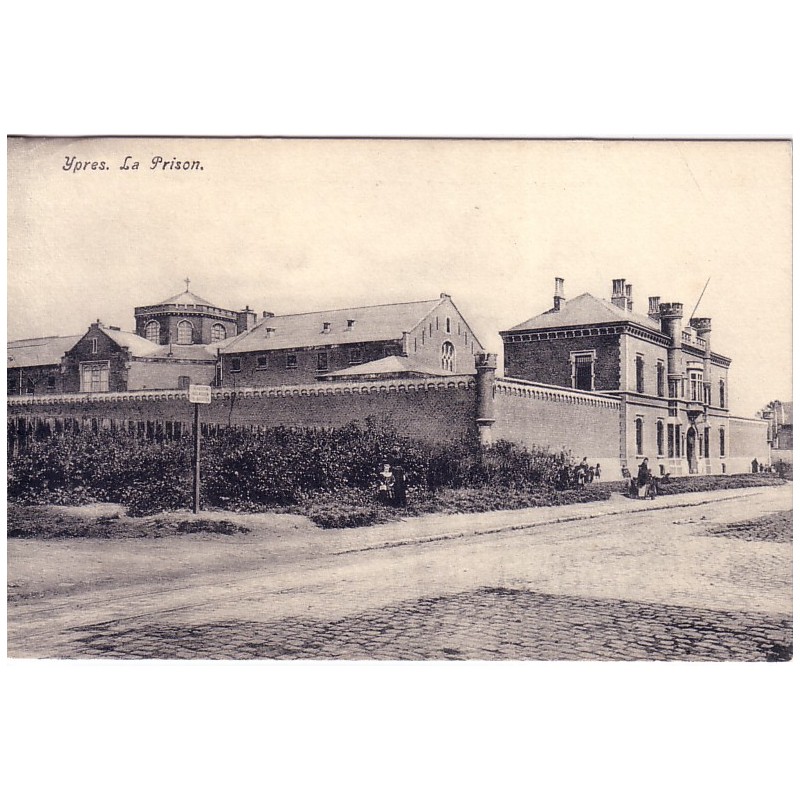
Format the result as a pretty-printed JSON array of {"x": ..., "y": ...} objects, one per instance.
[
  {"x": 618, "y": 297},
  {"x": 326, "y": 327},
  {"x": 245, "y": 319},
  {"x": 266, "y": 314},
  {"x": 558, "y": 294},
  {"x": 652, "y": 309},
  {"x": 629, "y": 296}
]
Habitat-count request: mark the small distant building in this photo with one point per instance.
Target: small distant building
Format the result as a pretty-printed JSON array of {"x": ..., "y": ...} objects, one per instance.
[
  {"x": 417, "y": 339},
  {"x": 107, "y": 359},
  {"x": 34, "y": 365},
  {"x": 779, "y": 418}
]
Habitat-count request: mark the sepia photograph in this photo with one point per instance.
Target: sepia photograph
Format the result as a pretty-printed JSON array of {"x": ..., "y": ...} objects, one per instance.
[{"x": 376, "y": 399}]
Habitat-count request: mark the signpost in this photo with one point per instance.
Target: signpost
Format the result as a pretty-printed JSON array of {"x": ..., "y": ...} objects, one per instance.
[{"x": 198, "y": 395}]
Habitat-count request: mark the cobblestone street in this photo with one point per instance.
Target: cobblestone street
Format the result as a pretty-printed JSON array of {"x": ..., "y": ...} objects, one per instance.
[
  {"x": 700, "y": 579},
  {"x": 485, "y": 625}
]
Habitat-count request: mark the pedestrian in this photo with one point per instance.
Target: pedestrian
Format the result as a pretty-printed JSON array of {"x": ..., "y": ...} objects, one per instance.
[
  {"x": 643, "y": 478},
  {"x": 754, "y": 465},
  {"x": 399, "y": 475},
  {"x": 564, "y": 477},
  {"x": 591, "y": 474},
  {"x": 597, "y": 473},
  {"x": 386, "y": 485}
]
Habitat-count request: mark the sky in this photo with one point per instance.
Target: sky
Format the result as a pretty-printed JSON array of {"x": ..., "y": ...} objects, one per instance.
[{"x": 301, "y": 225}]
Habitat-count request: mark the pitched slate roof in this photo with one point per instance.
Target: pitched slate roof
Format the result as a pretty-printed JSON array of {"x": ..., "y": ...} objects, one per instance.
[
  {"x": 391, "y": 365},
  {"x": 585, "y": 309},
  {"x": 39, "y": 352},
  {"x": 140, "y": 347},
  {"x": 137, "y": 345},
  {"x": 372, "y": 324}
]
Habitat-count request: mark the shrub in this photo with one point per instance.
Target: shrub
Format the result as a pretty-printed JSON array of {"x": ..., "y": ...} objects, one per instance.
[{"x": 278, "y": 467}]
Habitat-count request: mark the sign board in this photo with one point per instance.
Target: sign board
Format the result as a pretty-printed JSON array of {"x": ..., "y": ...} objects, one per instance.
[{"x": 199, "y": 393}]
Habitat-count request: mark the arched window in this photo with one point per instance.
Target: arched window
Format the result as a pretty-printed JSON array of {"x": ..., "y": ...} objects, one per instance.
[
  {"x": 218, "y": 332},
  {"x": 152, "y": 331},
  {"x": 448, "y": 357},
  {"x": 184, "y": 332}
]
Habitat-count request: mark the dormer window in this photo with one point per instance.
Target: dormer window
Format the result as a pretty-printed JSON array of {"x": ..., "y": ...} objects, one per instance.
[
  {"x": 351, "y": 323},
  {"x": 326, "y": 327}
]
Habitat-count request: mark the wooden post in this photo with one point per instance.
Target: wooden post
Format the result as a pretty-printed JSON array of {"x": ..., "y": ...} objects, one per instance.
[{"x": 196, "y": 458}]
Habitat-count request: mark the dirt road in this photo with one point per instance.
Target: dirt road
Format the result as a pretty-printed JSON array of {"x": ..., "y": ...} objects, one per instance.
[{"x": 618, "y": 579}]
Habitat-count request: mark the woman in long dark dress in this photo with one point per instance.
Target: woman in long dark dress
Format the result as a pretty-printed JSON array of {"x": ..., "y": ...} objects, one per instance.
[{"x": 399, "y": 484}]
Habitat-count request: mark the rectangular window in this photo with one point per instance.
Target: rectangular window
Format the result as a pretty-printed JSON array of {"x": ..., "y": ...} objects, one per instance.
[
  {"x": 679, "y": 446},
  {"x": 94, "y": 345},
  {"x": 583, "y": 370},
  {"x": 236, "y": 364},
  {"x": 262, "y": 362},
  {"x": 183, "y": 381},
  {"x": 671, "y": 440},
  {"x": 322, "y": 361},
  {"x": 639, "y": 436},
  {"x": 94, "y": 376},
  {"x": 722, "y": 394},
  {"x": 51, "y": 382},
  {"x": 706, "y": 442},
  {"x": 355, "y": 356},
  {"x": 696, "y": 387},
  {"x": 722, "y": 442},
  {"x": 660, "y": 437},
  {"x": 640, "y": 374},
  {"x": 291, "y": 361},
  {"x": 660, "y": 378}
]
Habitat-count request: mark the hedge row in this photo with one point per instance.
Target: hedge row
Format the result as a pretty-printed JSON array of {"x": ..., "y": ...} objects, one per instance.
[{"x": 247, "y": 470}]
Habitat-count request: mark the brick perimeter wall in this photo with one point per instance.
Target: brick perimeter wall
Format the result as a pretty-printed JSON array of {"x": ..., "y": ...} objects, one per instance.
[
  {"x": 432, "y": 413},
  {"x": 748, "y": 440},
  {"x": 547, "y": 417}
]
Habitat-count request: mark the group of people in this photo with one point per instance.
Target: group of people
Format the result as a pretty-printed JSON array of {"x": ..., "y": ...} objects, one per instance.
[
  {"x": 757, "y": 466},
  {"x": 576, "y": 477},
  {"x": 645, "y": 484},
  {"x": 392, "y": 484}
]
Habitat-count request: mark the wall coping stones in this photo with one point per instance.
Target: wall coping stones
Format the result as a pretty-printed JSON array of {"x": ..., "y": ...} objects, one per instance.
[
  {"x": 449, "y": 383},
  {"x": 544, "y": 391}
]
